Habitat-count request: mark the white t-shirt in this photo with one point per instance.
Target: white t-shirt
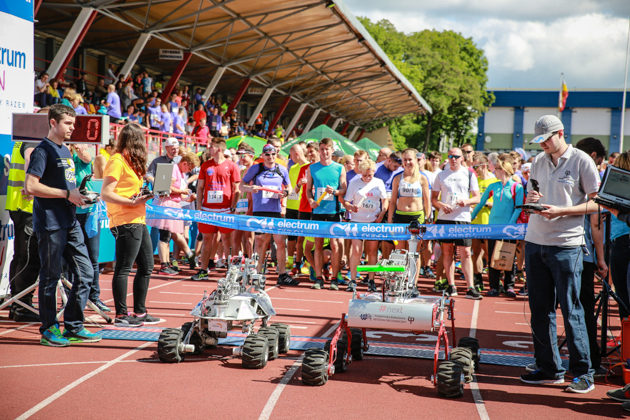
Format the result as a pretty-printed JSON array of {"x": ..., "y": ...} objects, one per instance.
[
  {"x": 367, "y": 196},
  {"x": 454, "y": 186}
]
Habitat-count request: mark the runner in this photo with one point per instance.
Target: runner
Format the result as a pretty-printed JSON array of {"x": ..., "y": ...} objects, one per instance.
[
  {"x": 217, "y": 192},
  {"x": 327, "y": 180}
]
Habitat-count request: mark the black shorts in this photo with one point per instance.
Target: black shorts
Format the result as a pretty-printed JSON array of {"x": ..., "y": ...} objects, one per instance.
[
  {"x": 326, "y": 217},
  {"x": 456, "y": 242},
  {"x": 292, "y": 214},
  {"x": 273, "y": 214},
  {"x": 305, "y": 215},
  {"x": 408, "y": 218}
]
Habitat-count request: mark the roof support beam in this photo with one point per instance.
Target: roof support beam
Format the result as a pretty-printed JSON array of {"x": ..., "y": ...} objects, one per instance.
[
  {"x": 353, "y": 132},
  {"x": 336, "y": 123},
  {"x": 135, "y": 53},
  {"x": 295, "y": 119},
  {"x": 345, "y": 128},
  {"x": 326, "y": 119},
  {"x": 279, "y": 113},
  {"x": 239, "y": 96},
  {"x": 175, "y": 77},
  {"x": 310, "y": 123},
  {"x": 72, "y": 41},
  {"x": 213, "y": 82},
  {"x": 259, "y": 107}
]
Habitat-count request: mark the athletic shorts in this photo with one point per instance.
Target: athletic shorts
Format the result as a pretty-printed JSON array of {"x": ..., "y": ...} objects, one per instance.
[
  {"x": 326, "y": 217},
  {"x": 408, "y": 218},
  {"x": 456, "y": 242},
  {"x": 292, "y": 214}
]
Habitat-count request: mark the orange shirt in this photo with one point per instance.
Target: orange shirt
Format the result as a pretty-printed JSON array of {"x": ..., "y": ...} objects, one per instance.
[{"x": 128, "y": 185}]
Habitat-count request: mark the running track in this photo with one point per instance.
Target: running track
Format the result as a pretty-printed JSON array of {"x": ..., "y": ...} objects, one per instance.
[{"x": 124, "y": 379}]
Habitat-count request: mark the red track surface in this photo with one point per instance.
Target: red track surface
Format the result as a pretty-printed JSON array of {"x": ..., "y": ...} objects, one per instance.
[{"x": 124, "y": 379}]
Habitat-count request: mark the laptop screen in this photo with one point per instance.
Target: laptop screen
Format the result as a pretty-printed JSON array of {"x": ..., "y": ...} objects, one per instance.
[
  {"x": 163, "y": 178},
  {"x": 616, "y": 185}
]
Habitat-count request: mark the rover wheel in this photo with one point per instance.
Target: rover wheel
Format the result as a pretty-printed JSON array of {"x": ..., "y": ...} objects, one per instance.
[
  {"x": 255, "y": 352},
  {"x": 195, "y": 338},
  {"x": 473, "y": 345},
  {"x": 168, "y": 345},
  {"x": 357, "y": 344},
  {"x": 315, "y": 367},
  {"x": 464, "y": 356},
  {"x": 342, "y": 348},
  {"x": 272, "y": 338},
  {"x": 284, "y": 337},
  {"x": 449, "y": 382}
]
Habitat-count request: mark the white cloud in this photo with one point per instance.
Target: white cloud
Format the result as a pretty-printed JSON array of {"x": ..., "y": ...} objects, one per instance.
[{"x": 588, "y": 48}]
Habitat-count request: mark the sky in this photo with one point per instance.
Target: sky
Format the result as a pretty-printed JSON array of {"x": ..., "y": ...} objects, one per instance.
[{"x": 529, "y": 43}]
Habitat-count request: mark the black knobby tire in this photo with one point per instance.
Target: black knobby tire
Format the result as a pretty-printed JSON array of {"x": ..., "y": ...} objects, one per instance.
[
  {"x": 168, "y": 345},
  {"x": 449, "y": 382},
  {"x": 255, "y": 352},
  {"x": 195, "y": 338},
  {"x": 284, "y": 337},
  {"x": 315, "y": 367},
  {"x": 464, "y": 356},
  {"x": 342, "y": 348},
  {"x": 473, "y": 345},
  {"x": 272, "y": 339},
  {"x": 357, "y": 344}
]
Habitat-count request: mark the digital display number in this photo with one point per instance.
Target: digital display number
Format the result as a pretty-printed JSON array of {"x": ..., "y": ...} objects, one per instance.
[{"x": 87, "y": 129}]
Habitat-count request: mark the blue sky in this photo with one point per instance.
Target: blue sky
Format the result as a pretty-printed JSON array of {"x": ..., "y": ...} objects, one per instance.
[{"x": 528, "y": 43}]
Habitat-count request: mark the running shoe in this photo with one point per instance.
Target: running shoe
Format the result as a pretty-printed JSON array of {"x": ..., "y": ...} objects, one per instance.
[
  {"x": 493, "y": 293},
  {"x": 473, "y": 293},
  {"x": 52, "y": 337},
  {"x": 175, "y": 265},
  {"x": 581, "y": 385},
  {"x": 319, "y": 284},
  {"x": 221, "y": 263},
  {"x": 352, "y": 286},
  {"x": 334, "y": 285},
  {"x": 81, "y": 336},
  {"x": 372, "y": 286},
  {"x": 440, "y": 285},
  {"x": 102, "y": 306},
  {"x": 620, "y": 394},
  {"x": 311, "y": 275},
  {"x": 127, "y": 321},
  {"x": 165, "y": 270},
  {"x": 428, "y": 272},
  {"x": 201, "y": 275},
  {"x": 286, "y": 280},
  {"x": 192, "y": 262},
  {"x": 510, "y": 292},
  {"x": 451, "y": 290},
  {"x": 340, "y": 280},
  {"x": 539, "y": 377},
  {"x": 147, "y": 319}
]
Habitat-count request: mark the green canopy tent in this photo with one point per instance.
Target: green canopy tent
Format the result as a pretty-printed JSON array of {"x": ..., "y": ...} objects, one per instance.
[
  {"x": 370, "y": 147},
  {"x": 256, "y": 142},
  {"x": 320, "y": 132}
]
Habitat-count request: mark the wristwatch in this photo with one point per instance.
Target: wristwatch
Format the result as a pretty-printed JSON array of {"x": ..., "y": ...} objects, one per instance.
[{"x": 67, "y": 194}]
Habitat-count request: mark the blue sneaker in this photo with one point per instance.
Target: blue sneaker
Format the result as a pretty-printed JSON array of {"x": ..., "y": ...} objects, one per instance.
[
  {"x": 52, "y": 337},
  {"x": 311, "y": 275},
  {"x": 81, "y": 336}
]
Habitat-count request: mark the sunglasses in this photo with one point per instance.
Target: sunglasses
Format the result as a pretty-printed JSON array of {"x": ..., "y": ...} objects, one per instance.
[
  {"x": 454, "y": 156},
  {"x": 467, "y": 151},
  {"x": 269, "y": 154}
]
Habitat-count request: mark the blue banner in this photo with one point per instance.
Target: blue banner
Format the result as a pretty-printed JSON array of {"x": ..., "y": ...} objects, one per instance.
[{"x": 368, "y": 231}]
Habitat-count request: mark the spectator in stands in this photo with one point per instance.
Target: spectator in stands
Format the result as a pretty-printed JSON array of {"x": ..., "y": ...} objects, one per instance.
[
  {"x": 147, "y": 83},
  {"x": 215, "y": 123},
  {"x": 455, "y": 189},
  {"x": 51, "y": 180},
  {"x": 198, "y": 99},
  {"x": 166, "y": 120},
  {"x": 112, "y": 103},
  {"x": 100, "y": 91},
  {"x": 179, "y": 122},
  {"x": 122, "y": 182},
  {"x": 53, "y": 91},
  {"x": 154, "y": 115},
  {"x": 77, "y": 104},
  {"x": 326, "y": 182},
  {"x": 81, "y": 84}
]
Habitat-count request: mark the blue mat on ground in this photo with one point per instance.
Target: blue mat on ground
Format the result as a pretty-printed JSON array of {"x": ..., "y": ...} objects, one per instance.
[{"x": 377, "y": 348}]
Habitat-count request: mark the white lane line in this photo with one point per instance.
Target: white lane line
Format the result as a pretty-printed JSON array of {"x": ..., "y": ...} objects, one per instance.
[
  {"x": 513, "y": 313},
  {"x": 309, "y": 300},
  {"x": 299, "y": 327},
  {"x": 18, "y": 328},
  {"x": 79, "y": 381},
  {"x": 181, "y": 293},
  {"x": 275, "y": 395},
  {"x": 474, "y": 386},
  {"x": 521, "y": 323},
  {"x": 91, "y": 362},
  {"x": 294, "y": 321}
]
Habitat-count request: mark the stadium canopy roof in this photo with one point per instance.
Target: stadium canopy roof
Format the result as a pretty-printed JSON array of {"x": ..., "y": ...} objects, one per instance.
[{"x": 314, "y": 51}]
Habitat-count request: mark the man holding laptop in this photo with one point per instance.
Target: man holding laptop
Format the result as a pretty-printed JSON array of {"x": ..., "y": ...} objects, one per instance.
[{"x": 567, "y": 178}]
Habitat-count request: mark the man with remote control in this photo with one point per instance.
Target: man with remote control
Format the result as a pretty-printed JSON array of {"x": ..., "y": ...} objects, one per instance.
[{"x": 567, "y": 180}]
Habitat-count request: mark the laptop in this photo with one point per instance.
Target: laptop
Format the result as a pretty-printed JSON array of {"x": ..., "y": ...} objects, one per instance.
[
  {"x": 614, "y": 191},
  {"x": 163, "y": 179}
]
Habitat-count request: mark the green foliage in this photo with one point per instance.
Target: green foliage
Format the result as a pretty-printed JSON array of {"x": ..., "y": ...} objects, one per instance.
[{"x": 448, "y": 71}]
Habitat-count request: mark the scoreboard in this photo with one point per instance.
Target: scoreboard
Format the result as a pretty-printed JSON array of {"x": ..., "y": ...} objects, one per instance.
[{"x": 88, "y": 129}]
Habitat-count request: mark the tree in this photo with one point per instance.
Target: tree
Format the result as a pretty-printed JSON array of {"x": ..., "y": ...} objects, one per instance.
[{"x": 448, "y": 71}]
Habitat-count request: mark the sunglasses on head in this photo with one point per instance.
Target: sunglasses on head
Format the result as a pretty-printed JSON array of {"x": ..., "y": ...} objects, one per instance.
[{"x": 454, "y": 156}]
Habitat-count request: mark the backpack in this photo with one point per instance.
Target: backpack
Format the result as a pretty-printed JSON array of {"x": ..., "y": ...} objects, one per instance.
[
  {"x": 524, "y": 216},
  {"x": 261, "y": 169}
]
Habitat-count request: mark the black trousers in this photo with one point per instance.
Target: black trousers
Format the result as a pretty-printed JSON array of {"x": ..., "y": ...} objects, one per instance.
[
  {"x": 25, "y": 264},
  {"x": 587, "y": 298},
  {"x": 133, "y": 244}
]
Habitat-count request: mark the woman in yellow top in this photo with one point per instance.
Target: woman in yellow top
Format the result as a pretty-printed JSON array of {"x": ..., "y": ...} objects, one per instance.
[
  {"x": 122, "y": 181},
  {"x": 480, "y": 246}
]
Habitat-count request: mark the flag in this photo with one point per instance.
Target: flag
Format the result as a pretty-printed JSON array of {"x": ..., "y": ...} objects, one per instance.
[{"x": 564, "y": 94}]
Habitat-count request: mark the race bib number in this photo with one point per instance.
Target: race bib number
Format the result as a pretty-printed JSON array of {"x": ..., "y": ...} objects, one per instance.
[
  {"x": 269, "y": 195},
  {"x": 327, "y": 197},
  {"x": 241, "y": 205},
  {"x": 293, "y": 196},
  {"x": 369, "y": 204},
  {"x": 214, "y": 197}
]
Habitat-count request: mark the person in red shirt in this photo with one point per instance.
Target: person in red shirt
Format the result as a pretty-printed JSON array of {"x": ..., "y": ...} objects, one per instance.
[
  {"x": 217, "y": 191},
  {"x": 198, "y": 115},
  {"x": 202, "y": 132}
]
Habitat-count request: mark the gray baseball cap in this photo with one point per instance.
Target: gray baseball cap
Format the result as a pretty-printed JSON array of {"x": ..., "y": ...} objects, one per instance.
[{"x": 545, "y": 127}]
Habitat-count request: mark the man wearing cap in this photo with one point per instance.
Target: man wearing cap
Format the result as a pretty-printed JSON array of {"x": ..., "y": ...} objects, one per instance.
[
  {"x": 218, "y": 186},
  {"x": 269, "y": 183},
  {"x": 566, "y": 178}
]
